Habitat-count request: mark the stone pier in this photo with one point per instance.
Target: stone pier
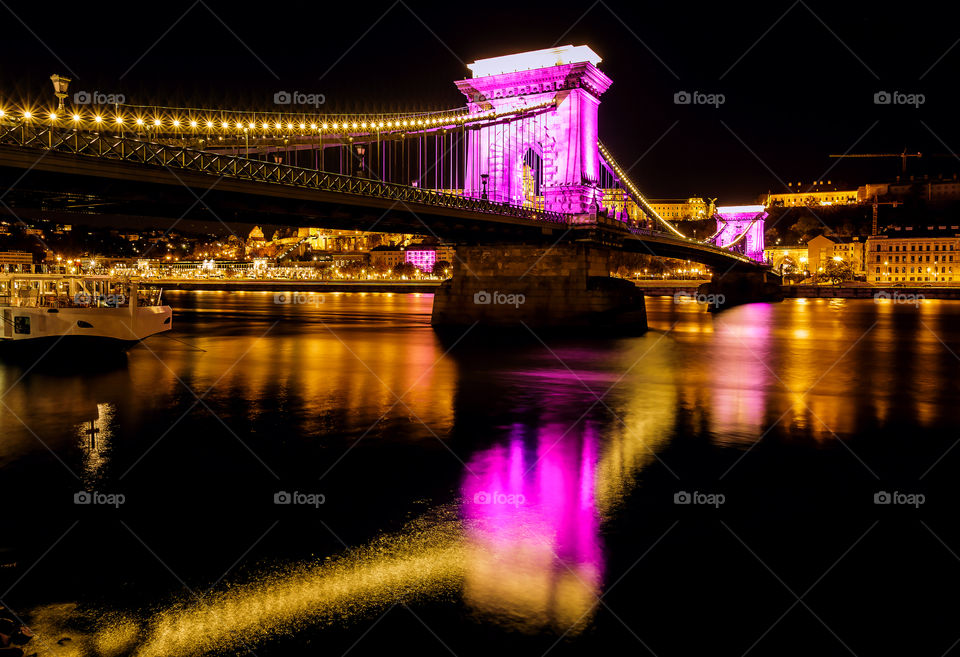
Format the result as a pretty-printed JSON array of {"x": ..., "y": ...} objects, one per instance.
[
  {"x": 736, "y": 288},
  {"x": 563, "y": 287}
]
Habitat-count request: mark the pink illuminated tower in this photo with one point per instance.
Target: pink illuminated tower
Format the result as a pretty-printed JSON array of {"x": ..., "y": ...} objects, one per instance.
[
  {"x": 559, "y": 89},
  {"x": 740, "y": 228}
]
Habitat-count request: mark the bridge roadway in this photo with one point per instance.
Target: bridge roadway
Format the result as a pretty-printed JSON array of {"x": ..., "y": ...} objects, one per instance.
[{"x": 145, "y": 180}]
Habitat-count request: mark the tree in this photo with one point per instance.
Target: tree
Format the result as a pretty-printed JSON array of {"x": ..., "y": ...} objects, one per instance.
[
  {"x": 441, "y": 267},
  {"x": 805, "y": 226},
  {"x": 404, "y": 269},
  {"x": 353, "y": 268},
  {"x": 835, "y": 271}
]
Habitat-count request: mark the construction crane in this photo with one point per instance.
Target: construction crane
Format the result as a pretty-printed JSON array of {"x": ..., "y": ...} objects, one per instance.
[
  {"x": 903, "y": 157},
  {"x": 876, "y": 203}
]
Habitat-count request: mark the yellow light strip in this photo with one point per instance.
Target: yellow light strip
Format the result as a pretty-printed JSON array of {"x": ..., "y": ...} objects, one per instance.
[
  {"x": 187, "y": 122},
  {"x": 637, "y": 196}
]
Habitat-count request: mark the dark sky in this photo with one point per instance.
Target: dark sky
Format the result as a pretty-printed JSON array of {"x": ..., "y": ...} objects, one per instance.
[{"x": 798, "y": 78}]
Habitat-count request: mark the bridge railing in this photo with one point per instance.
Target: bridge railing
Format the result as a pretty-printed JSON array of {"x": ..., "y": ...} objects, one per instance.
[{"x": 136, "y": 151}]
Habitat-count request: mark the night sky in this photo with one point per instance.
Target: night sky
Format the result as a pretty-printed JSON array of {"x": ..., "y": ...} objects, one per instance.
[{"x": 798, "y": 78}]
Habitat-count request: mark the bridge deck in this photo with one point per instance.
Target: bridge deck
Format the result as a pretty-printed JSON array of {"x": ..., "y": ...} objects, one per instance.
[{"x": 143, "y": 178}]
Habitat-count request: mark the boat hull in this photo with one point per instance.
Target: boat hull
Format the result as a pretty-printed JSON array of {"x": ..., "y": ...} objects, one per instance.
[{"x": 120, "y": 327}]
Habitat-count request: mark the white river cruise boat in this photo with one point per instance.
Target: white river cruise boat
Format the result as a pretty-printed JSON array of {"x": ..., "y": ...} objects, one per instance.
[{"x": 77, "y": 310}]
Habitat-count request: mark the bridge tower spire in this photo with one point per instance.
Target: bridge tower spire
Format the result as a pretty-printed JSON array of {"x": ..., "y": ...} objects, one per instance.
[{"x": 563, "y": 134}]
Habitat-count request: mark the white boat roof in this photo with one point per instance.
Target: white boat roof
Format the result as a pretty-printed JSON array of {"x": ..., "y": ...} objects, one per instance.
[{"x": 83, "y": 277}]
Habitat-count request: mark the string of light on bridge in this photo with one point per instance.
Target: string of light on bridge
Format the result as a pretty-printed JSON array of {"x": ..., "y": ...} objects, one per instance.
[
  {"x": 186, "y": 123},
  {"x": 640, "y": 198}
]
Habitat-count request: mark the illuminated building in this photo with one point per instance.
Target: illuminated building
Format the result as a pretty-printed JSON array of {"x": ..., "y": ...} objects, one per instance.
[
  {"x": 917, "y": 255},
  {"x": 938, "y": 189},
  {"x": 821, "y": 192},
  {"x": 683, "y": 209},
  {"x": 816, "y": 193},
  {"x": 422, "y": 259},
  {"x": 16, "y": 261},
  {"x": 421, "y": 256},
  {"x": 823, "y": 248},
  {"x": 386, "y": 257},
  {"x": 787, "y": 259}
]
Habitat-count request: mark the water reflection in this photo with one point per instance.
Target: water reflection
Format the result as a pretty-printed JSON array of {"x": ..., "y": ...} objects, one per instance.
[
  {"x": 533, "y": 554},
  {"x": 95, "y": 439},
  {"x": 740, "y": 373},
  {"x": 520, "y": 540}
]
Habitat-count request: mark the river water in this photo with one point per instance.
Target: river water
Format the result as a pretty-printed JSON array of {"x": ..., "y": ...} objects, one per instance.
[{"x": 332, "y": 478}]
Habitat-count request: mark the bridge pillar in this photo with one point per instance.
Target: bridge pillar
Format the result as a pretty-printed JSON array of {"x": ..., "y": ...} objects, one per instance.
[
  {"x": 736, "y": 288},
  {"x": 565, "y": 287}
]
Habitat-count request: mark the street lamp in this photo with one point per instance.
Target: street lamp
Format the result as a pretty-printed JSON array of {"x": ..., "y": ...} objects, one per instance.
[
  {"x": 483, "y": 180},
  {"x": 361, "y": 152},
  {"x": 60, "y": 85}
]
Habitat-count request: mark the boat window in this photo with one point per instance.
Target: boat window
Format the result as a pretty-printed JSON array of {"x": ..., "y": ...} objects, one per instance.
[
  {"x": 83, "y": 324},
  {"x": 21, "y": 325}
]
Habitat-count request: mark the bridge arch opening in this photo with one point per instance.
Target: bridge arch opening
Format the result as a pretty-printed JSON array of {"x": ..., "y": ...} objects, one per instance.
[{"x": 531, "y": 174}]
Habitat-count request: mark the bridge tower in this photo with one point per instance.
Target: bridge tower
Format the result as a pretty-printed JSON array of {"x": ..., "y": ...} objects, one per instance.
[
  {"x": 740, "y": 228},
  {"x": 550, "y": 99},
  {"x": 560, "y": 88}
]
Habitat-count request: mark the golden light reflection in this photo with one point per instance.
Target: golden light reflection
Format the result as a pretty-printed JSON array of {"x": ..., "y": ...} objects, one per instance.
[
  {"x": 425, "y": 560},
  {"x": 95, "y": 438},
  {"x": 329, "y": 365}
]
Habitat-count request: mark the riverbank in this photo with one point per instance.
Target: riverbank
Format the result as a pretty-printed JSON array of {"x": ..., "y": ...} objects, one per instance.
[
  {"x": 650, "y": 288},
  {"x": 669, "y": 288},
  {"x": 869, "y": 292},
  {"x": 400, "y": 287}
]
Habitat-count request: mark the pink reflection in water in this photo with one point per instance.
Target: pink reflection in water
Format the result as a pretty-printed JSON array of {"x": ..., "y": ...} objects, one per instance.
[
  {"x": 532, "y": 529},
  {"x": 741, "y": 379}
]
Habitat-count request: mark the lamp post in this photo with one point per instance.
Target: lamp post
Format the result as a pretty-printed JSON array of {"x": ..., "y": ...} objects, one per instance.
[
  {"x": 60, "y": 85},
  {"x": 483, "y": 181},
  {"x": 361, "y": 152}
]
